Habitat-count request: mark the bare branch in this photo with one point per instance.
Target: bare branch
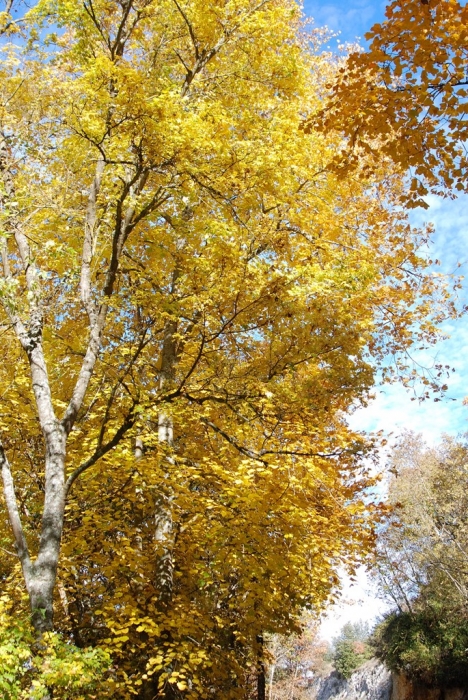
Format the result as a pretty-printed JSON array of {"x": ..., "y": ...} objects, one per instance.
[
  {"x": 190, "y": 29},
  {"x": 119, "y": 42},
  {"x": 90, "y": 241},
  {"x": 103, "y": 449},
  {"x": 89, "y": 9},
  {"x": 124, "y": 223},
  {"x": 240, "y": 448},
  {"x": 204, "y": 56},
  {"x": 258, "y": 456},
  {"x": 141, "y": 345}
]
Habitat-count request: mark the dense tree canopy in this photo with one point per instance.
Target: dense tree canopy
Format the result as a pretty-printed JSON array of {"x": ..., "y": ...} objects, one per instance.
[{"x": 192, "y": 303}]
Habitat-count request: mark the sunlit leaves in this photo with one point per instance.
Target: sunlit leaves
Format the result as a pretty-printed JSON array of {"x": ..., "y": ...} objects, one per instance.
[
  {"x": 406, "y": 97},
  {"x": 278, "y": 288}
]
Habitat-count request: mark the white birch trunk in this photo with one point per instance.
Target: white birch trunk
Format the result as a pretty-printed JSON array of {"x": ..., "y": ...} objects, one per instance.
[
  {"x": 40, "y": 574},
  {"x": 164, "y": 529}
]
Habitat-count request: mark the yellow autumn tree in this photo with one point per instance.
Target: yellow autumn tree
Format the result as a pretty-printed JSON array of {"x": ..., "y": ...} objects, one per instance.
[
  {"x": 406, "y": 97},
  {"x": 192, "y": 303}
]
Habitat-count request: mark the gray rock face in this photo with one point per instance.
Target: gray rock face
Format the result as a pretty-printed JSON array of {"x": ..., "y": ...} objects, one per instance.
[{"x": 370, "y": 682}]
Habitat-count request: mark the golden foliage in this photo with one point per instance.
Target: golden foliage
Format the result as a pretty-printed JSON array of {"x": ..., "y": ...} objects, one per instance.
[
  {"x": 406, "y": 97},
  {"x": 240, "y": 296}
]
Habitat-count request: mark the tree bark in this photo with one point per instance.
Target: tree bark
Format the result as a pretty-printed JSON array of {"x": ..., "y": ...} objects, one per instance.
[
  {"x": 271, "y": 680},
  {"x": 44, "y": 569},
  {"x": 261, "y": 683},
  {"x": 164, "y": 529}
]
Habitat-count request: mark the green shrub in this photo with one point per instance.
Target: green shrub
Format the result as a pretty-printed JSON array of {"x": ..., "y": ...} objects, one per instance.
[
  {"x": 430, "y": 645},
  {"x": 29, "y": 670}
]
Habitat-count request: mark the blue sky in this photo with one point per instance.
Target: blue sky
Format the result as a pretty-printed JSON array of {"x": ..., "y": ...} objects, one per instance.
[
  {"x": 351, "y": 19},
  {"x": 393, "y": 410}
]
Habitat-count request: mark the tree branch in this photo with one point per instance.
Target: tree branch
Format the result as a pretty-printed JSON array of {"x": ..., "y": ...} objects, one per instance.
[
  {"x": 190, "y": 29},
  {"x": 13, "y": 513},
  {"x": 89, "y": 242},
  {"x": 258, "y": 456},
  {"x": 123, "y": 226},
  {"x": 104, "y": 449},
  {"x": 117, "y": 48},
  {"x": 141, "y": 345}
]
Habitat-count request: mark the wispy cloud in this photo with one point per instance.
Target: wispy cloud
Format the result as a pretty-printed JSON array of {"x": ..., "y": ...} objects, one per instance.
[{"x": 394, "y": 408}]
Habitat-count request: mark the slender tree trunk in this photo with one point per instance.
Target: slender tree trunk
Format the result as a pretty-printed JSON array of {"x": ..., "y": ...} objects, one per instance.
[
  {"x": 261, "y": 683},
  {"x": 293, "y": 684},
  {"x": 164, "y": 529},
  {"x": 271, "y": 681}
]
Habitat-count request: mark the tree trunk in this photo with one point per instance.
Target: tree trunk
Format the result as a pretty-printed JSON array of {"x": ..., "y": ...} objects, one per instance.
[
  {"x": 41, "y": 590},
  {"x": 261, "y": 684},
  {"x": 271, "y": 680},
  {"x": 44, "y": 569},
  {"x": 164, "y": 530},
  {"x": 40, "y": 575}
]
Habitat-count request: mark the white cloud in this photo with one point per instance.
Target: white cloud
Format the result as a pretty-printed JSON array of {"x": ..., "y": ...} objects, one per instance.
[
  {"x": 393, "y": 412},
  {"x": 393, "y": 408}
]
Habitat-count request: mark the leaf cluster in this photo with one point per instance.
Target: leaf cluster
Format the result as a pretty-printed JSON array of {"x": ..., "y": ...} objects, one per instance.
[
  {"x": 405, "y": 98},
  {"x": 31, "y": 668}
]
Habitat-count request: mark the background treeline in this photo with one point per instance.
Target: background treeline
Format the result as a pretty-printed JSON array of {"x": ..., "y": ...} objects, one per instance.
[
  {"x": 298, "y": 663},
  {"x": 422, "y": 562}
]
